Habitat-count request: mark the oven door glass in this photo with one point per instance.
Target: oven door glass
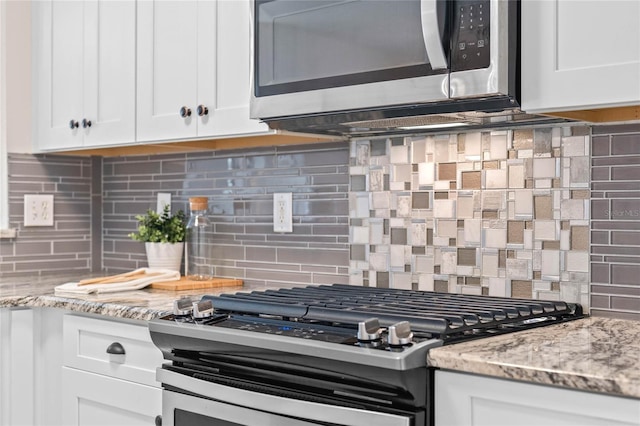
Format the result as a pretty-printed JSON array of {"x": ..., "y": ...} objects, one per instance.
[{"x": 303, "y": 45}]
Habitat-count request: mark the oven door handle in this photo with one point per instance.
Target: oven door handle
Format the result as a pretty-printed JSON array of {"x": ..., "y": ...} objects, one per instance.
[
  {"x": 431, "y": 34},
  {"x": 311, "y": 411}
]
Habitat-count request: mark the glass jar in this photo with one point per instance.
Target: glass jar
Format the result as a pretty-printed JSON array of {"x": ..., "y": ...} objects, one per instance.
[{"x": 197, "y": 247}]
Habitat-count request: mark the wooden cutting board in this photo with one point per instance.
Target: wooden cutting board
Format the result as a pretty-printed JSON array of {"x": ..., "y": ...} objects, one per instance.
[{"x": 186, "y": 284}]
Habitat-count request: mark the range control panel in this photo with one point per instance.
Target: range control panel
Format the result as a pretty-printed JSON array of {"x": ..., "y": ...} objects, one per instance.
[
  {"x": 470, "y": 38},
  {"x": 316, "y": 332}
]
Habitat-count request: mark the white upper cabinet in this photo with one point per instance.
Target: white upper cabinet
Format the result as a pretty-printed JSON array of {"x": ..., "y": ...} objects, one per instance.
[
  {"x": 83, "y": 73},
  {"x": 114, "y": 73},
  {"x": 193, "y": 70},
  {"x": 580, "y": 54}
]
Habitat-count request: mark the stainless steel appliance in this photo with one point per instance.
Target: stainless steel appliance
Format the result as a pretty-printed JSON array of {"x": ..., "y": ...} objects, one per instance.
[
  {"x": 322, "y": 355},
  {"x": 354, "y": 67}
]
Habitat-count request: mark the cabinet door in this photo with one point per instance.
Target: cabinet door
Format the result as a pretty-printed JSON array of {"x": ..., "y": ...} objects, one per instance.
[
  {"x": 167, "y": 61},
  {"x": 109, "y": 72},
  {"x": 16, "y": 367},
  {"x": 84, "y": 73},
  {"x": 58, "y": 73},
  {"x": 580, "y": 54},
  {"x": 224, "y": 84},
  {"x": 465, "y": 399},
  {"x": 91, "y": 399},
  {"x": 30, "y": 365}
]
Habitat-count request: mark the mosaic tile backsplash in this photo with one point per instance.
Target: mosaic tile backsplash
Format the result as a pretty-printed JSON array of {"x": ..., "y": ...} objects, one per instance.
[{"x": 501, "y": 213}]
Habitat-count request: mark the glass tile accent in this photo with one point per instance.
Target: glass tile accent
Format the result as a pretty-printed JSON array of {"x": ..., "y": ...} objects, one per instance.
[
  {"x": 378, "y": 147},
  {"x": 476, "y": 197},
  {"x": 358, "y": 183},
  {"x": 447, "y": 171},
  {"x": 440, "y": 195},
  {"x": 515, "y": 232},
  {"x": 398, "y": 236},
  {"x": 522, "y": 139},
  {"x": 580, "y": 238},
  {"x": 542, "y": 142},
  {"x": 543, "y": 206},
  {"x": 467, "y": 256},
  {"x": 441, "y": 286},
  {"x": 471, "y": 180},
  {"x": 521, "y": 289}
]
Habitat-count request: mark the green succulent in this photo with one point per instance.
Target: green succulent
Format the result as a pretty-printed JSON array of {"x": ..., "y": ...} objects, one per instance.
[{"x": 160, "y": 228}]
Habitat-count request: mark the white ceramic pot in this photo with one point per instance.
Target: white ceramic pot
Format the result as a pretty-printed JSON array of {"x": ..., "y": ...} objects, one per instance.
[{"x": 164, "y": 255}]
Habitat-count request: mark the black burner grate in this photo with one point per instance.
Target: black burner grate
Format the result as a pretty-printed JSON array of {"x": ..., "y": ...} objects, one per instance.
[{"x": 438, "y": 314}]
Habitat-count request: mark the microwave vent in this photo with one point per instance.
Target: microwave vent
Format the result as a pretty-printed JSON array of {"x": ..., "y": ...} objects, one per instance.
[{"x": 421, "y": 120}]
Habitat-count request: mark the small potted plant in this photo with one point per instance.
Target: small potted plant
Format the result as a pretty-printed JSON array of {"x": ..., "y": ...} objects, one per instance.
[{"x": 163, "y": 235}]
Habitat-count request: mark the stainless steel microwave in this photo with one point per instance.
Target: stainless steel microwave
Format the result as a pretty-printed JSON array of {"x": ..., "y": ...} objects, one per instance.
[{"x": 343, "y": 66}]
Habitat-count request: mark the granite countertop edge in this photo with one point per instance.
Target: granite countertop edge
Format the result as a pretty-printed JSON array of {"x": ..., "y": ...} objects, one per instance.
[
  {"x": 75, "y": 304},
  {"x": 591, "y": 354},
  {"x": 143, "y": 304}
]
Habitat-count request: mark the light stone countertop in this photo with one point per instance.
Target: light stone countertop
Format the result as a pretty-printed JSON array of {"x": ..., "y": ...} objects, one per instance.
[
  {"x": 144, "y": 304},
  {"x": 590, "y": 354}
]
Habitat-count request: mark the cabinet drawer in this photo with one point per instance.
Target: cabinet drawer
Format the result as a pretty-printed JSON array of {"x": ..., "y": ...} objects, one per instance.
[
  {"x": 93, "y": 399},
  {"x": 86, "y": 343}
]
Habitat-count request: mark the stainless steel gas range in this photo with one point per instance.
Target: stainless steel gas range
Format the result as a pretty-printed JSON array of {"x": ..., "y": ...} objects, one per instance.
[{"x": 322, "y": 355}]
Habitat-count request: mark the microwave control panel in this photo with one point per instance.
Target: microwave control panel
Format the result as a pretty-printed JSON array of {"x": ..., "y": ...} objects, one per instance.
[{"x": 471, "y": 25}]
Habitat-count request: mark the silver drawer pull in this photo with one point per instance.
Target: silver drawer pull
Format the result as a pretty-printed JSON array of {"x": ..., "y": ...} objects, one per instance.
[{"x": 116, "y": 349}]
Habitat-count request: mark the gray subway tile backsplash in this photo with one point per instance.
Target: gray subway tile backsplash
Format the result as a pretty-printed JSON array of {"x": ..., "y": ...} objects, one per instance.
[
  {"x": 615, "y": 225},
  {"x": 240, "y": 186},
  {"x": 65, "y": 247}
]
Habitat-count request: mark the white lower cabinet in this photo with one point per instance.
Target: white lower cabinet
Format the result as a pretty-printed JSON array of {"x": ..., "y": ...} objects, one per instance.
[
  {"x": 55, "y": 370},
  {"x": 108, "y": 376},
  {"x": 30, "y": 363},
  {"x": 93, "y": 399},
  {"x": 465, "y": 399}
]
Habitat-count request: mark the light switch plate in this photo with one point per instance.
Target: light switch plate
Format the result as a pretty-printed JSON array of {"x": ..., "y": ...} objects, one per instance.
[
  {"x": 38, "y": 210},
  {"x": 283, "y": 212}
]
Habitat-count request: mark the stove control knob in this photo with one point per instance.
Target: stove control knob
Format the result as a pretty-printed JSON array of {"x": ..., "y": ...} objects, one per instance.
[
  {"x": 182, "y": 307},
  {"x": 369, "y": 330},
  {"x": 202, "y": 310},
  {"x": 400, "y": 334}
]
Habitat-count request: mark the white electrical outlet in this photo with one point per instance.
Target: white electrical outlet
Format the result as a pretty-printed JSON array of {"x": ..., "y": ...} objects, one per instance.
[
  {"x": 38, "y": 210},
  {"x": 164, "y": 199},
  {"x": 283, "y": 212}
]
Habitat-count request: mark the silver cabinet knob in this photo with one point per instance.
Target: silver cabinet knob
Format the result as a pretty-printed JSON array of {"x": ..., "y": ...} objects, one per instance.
[
  {"x": 400, "y": 334},
  {"x": 86, "y": 123},
  {"x": 73, "y": 124},
  {"x": 202, "y": 110},
  {"x": 369, "y": 330},
  {"x": 185, "y": 112}
]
